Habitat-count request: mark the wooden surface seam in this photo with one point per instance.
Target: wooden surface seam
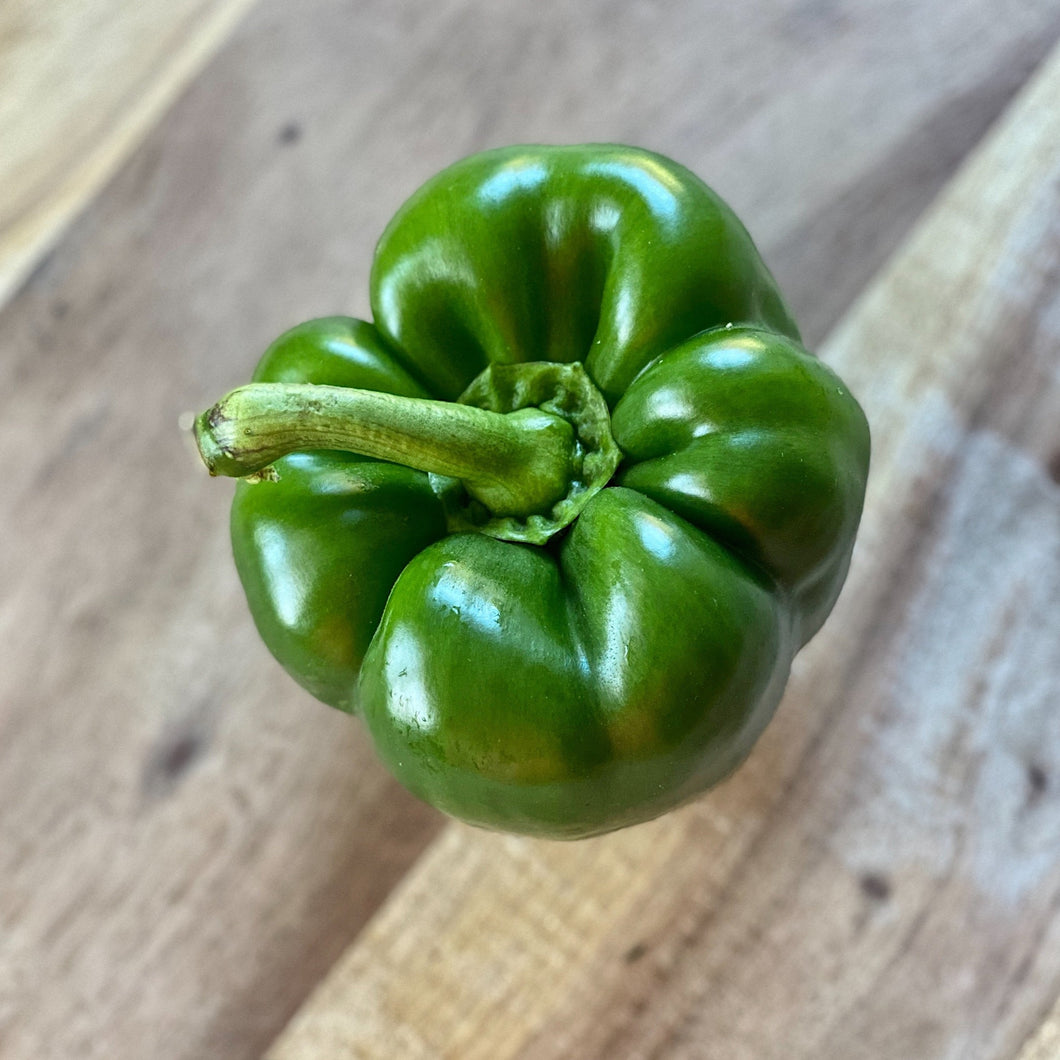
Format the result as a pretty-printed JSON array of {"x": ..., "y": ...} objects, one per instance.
[
  {"x": 83, "y": 85},
  {"x": 1044, "y": 1043}
]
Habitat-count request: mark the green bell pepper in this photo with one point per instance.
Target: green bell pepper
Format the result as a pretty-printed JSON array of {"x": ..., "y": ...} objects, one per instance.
[{"x": 555, "y": 523}]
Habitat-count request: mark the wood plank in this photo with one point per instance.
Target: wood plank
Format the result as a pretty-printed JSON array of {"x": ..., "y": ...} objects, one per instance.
[
  {"x": 1044, "y": 1044},
  {"x": 83, "y": 84},
  {"x": 187, "y": 843},
  {"x": 883, "y": 878}
]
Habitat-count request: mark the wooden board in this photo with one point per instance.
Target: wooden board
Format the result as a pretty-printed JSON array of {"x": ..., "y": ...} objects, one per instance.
[
  {"x": 1044, "y": 1044},
  {"x": 187, "y": 842},
  {"x": 82, "y": 85},
  {"x": 882, "y": 880}
]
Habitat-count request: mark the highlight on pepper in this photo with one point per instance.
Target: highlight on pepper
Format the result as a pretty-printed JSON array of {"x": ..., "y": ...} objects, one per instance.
[{"x": 555, "y": 522}]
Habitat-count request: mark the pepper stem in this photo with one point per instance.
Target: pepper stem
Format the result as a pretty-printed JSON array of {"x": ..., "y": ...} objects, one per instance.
[{"x": 515, "y": 463}]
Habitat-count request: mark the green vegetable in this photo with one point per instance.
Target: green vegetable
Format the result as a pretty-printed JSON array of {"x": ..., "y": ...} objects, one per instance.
[{"x": 556, "y": 523}]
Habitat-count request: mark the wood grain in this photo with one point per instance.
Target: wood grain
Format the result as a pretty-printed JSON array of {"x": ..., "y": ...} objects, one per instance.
[
  {"x": 187, "y": 842},
  {"x": 883, "y": 878},
  {"x": 1044, "y": 1044},
  {"x": 83, "y": 84}
]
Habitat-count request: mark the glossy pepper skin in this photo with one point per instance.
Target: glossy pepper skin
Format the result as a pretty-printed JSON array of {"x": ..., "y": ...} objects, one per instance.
[{"x": 567, "y": 674}]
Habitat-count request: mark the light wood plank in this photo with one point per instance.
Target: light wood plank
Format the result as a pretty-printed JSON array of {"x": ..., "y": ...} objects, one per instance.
[
  {"x": 883, "y": 878},
  {"x": 82, "y": 85},
  {"x": 1045, "y": 1042}
]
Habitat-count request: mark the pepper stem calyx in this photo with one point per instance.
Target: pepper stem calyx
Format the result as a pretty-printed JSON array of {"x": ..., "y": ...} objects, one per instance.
[{"x": 517, "y": 457}]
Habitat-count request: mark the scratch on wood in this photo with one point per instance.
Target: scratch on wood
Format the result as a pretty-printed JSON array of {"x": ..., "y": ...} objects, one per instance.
[
  {"x": 175, "y": 754},
  {"x": 876, "y": 886}
]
